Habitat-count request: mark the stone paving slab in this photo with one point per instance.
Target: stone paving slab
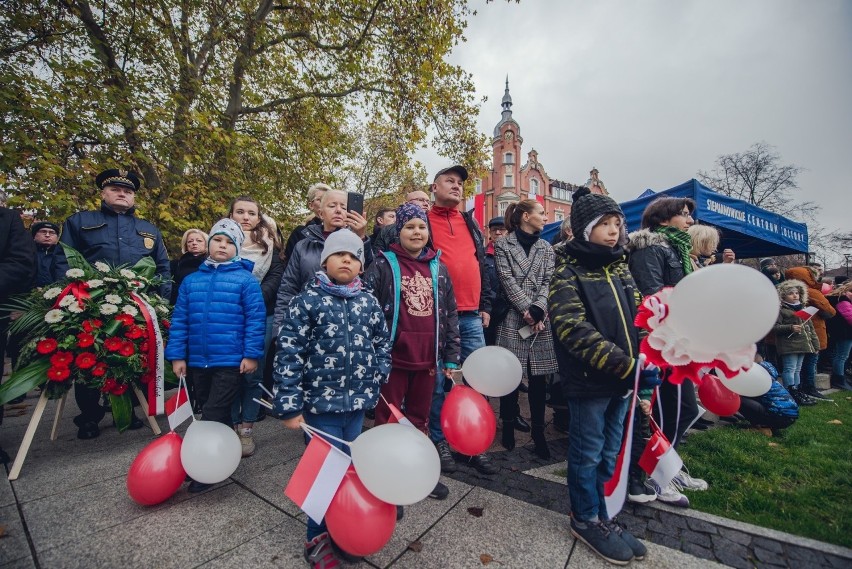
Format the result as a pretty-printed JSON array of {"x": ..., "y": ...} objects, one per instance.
[
  {"x": 13, "y": 543},
  {"x": 25, "y": 563},
  {"x": 278, "y": 547},
  {"x": 7, "y": 497},
  {"x": 512, "y": 533}
]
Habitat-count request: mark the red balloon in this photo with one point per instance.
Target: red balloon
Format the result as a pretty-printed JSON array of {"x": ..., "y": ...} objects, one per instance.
[
  {"x": 717, "y": 398},
  {"x": 357, "y": 521},
  {"x": 157, "y": 472},
  {"x": 468, "y": 421}
]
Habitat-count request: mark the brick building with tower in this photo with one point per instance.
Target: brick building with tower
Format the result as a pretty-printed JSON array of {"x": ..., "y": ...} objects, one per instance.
[{"x": 509, "y": 180}]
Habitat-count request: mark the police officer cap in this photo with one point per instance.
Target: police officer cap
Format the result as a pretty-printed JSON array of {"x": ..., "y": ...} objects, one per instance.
[
  {"x": 116, "y": 177},
  {"x": 39, "y": 225}
]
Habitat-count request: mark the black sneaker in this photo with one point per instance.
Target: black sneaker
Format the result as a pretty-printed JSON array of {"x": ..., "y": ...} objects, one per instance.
[
  {"x": 638, "y": 492},
  {"x": 448, "y": 463},
  {"x": 400, "y": 512},
  {"x": 637, "y": 547},
  {"x": 813, "y": 392},
  {"x": 483, "y": 464},
  {"x": 195, "y": 487},
  {"x": 603, "y": 541},
  {"x": 88, "y": 430},
  {"x": 521, "y": 425},
  {"x": 439, "y": 493}
]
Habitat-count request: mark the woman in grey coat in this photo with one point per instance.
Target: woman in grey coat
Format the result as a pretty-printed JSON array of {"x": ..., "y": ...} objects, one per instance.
[{"x": 525, "y": 264}]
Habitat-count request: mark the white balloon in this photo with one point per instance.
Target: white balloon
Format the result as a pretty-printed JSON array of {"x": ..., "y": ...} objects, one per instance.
[
  {"x": 397, "y": 463},
  {"x": 210, "y": 452},
  {"x": 753, "y": 382},
  {"x": 723, "y": 307},
  {"x": 493, "y": 371}
]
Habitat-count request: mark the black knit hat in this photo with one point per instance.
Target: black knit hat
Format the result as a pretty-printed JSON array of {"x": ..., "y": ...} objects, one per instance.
[{"x": 587, "y": 209}]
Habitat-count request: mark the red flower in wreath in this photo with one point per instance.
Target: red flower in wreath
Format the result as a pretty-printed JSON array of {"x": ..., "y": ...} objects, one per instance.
[
  {"x": 109, "y": 385},
  {"x": 119, "y": 389},
  {"x": 93, "y": 324},
  {"x": 166, "y": 324},
  {"x": 127, "y": 349},
  {"x": 58, "y": 373},
  {"x": 85, "y": 360},
  {"x": 62, "y": 359},
  {"x": 113, "y": 344},
  {"x": 134, "y": 332},
  {"x": 85, "y": 339},
  {"x": 125, "y": 319},
  {"x": 143, "y": 347},
  {"x": 99, "y": 370},
  {"x": 46, "y": 346}
]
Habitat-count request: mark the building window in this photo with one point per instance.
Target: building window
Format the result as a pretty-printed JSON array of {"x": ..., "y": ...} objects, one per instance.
[
  {"x": 501, "y": 207},
  {"x": 559, "y": 215},
  {"x": 508, "y": 158},
  {"x": 534, "y": 187},
  {"x": 479, "y": 185},
  {"x": 562, "y": 194},
  {"x": 508, "y": 181}
]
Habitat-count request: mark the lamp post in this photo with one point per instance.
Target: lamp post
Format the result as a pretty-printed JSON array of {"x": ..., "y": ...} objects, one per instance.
[{"x": 848, "y": 257}]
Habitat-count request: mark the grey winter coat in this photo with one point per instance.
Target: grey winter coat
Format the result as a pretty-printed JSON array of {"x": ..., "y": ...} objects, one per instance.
[
  {"x": 653, "y": 262},
  {"x": 526, "y": 281}
]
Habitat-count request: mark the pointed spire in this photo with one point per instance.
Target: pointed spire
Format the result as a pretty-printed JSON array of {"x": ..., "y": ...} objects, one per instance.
[{"x": 507, "y": 102}]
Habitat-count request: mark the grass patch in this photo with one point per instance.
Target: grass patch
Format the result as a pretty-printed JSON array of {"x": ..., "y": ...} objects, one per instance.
[{"x": 797, "y": 482}]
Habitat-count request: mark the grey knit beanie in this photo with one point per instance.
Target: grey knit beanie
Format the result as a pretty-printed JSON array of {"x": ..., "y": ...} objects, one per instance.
[{"x": 343, "y": 240}]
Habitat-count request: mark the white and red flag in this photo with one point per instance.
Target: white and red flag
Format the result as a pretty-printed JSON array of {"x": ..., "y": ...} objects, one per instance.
[
  {"x": 660, "y": 460},
  {"x": 178, "y": 407},
  {"x": 807, "y": 313},
  {"x": 615, "y": 489},
  {"x": 397, "y": 416},
  {"x": 317, "y": 477}
]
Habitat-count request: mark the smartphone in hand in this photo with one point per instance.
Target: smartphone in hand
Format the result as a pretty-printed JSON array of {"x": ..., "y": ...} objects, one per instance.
[
  {"x": 525, "y": 332},
  {"x": 355, "y": 202}
]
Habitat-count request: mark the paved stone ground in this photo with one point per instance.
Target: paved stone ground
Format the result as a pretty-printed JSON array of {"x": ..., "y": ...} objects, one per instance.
[{"x": 70, "y": 508}]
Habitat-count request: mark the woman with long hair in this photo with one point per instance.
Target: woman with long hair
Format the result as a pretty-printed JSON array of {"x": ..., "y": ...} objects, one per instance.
[{"x": 524, "y": 265}]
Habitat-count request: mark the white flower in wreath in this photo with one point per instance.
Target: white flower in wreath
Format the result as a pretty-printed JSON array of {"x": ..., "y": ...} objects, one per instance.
[
  {"x": 52, "y": 293},
  {"x": 127, "y": 273},
  {"x": 110, "y": 280},
  {"x": 67, "y": 301},
  {"x": 163, "y": 309},
  {"x": 95, "y": 283},
  {"x": 75, "y": 273},
  {"x": 113, "y": 299},
  {"x": 75, "y": 308},
  {"x": 107, "y": 309},
  {"x": 53, "y": 316},
  {"x": 101, "y": 266},
  {"x": 131, "y": 310}
]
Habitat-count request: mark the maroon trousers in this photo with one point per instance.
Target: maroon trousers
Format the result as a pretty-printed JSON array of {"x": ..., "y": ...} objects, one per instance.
[{"x": 414, "y": 388}]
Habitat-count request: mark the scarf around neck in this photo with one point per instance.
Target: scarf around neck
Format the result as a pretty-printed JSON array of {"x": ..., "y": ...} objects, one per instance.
[
  {"x": 254, "y": 252},
  {"x": 344, "y": 291},
  {"x": 681, "y": 243},
  {"x": 592, "y": 255}
]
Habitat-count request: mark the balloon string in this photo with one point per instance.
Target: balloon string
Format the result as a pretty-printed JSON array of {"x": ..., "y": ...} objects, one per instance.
[{"x": 314, "y": 431}]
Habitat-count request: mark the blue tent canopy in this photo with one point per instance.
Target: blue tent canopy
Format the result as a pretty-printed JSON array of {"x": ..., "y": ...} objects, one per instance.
[{"x": 747, "y": 229}]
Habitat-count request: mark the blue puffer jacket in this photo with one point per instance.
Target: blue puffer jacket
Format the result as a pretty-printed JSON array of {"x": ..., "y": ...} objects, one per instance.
[
  {"x": 777, "y": 400},
  {"x": 219, "y": 317},
  {"x": 333, "y": 354}
]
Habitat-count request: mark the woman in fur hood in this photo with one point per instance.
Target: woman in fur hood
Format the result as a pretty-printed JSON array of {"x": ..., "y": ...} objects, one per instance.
[{"x": 795, "y": 336}]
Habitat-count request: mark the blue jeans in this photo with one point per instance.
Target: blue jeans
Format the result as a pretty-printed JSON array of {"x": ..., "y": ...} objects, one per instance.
[
  {"x": 841, "y": 354},
  {"x": 346, "y": 426},
  {"x": 250, "y": 388},
  {"x": 791, "y": 369},
  {"x": 809, "y": 369},
  {"x": 596, "y": 427},
  {"x": 472, "y": 338}
]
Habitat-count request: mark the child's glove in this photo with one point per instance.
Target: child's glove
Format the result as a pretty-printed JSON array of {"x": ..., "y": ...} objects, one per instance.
[{"x": 649, "y": 378}]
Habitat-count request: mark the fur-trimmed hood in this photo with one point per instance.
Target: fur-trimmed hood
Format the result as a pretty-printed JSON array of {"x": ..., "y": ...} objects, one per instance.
[
  {"x": 793, "y": 284},
  {"x": 645, "y": 238},
  {"x": 803, "y": 274}
]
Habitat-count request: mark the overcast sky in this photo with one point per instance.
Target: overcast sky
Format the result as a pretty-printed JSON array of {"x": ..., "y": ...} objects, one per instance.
[{"x": 651, "y": 92}]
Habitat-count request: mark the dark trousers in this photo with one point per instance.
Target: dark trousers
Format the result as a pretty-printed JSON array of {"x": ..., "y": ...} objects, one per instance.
[
  {"x": 537, "y": 396},
  {"x": 641, "y": 434},
  {"x": 89, "y": 401},
  {"x": 215, "y": 389},
  {"x": 759, "y": 416},
  {"x": 672, "y": 426},
  {"x": 414, "y": 388}
]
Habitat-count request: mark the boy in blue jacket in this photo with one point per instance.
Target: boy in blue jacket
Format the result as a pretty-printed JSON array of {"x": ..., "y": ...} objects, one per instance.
[
  {"x": 218, "y": 325},
  {"x": 333, "y": 356}
]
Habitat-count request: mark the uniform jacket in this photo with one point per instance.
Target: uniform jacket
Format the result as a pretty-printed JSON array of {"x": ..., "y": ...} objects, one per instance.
[
  {"x": 302, "y": 267},
  {"x": 654, "y": 264},
  {"x": 384, "y": 279},
  {"x": 44, "y": 264},
  {"x": 333, "y": 354},
  {"x": 815, "y": 298},
  {"x": 389, "y": 235},
  {"x": 787, "y": 341},
  {"x": 592, "y": 313},
  {"x": 117, "y": 239},
  {"x": 525, "y": 280},
  {"x": 17, "y": 255},
  {"x": 219, "y": 317}
]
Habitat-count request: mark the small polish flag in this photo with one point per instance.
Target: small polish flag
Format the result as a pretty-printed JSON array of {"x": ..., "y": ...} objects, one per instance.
[
  {"x": 659, "y": 459},
  {"x": 615, "y": 489},
  {"x": 178, "y": 408},
  {"x": 317, "y": 477},
  {"x": 807, "y": 313},
  {"x": 397, "y": 416}
]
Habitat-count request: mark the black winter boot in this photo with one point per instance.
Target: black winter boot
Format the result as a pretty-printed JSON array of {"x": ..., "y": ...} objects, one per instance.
[
  {"x": 508, "y": 435},
  {"x": 541, "y": 449}
]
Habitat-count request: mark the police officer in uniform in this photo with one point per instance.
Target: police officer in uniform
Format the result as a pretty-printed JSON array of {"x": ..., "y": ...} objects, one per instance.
[{"x": 116, "y": 236}]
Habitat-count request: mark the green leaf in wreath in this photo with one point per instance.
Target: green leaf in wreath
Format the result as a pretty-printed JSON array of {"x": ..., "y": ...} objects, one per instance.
[
  {"x": 23, "y": 380},
  {"x": 75, "y": 259},
  {"x": 145, "y": 267},
  {"x": 112, "y": 327},
  {"x": 122, "y": 407}
]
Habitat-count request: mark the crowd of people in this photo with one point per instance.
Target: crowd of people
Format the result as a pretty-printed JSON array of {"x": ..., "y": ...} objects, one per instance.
[{"x": 342, "y": 325}]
